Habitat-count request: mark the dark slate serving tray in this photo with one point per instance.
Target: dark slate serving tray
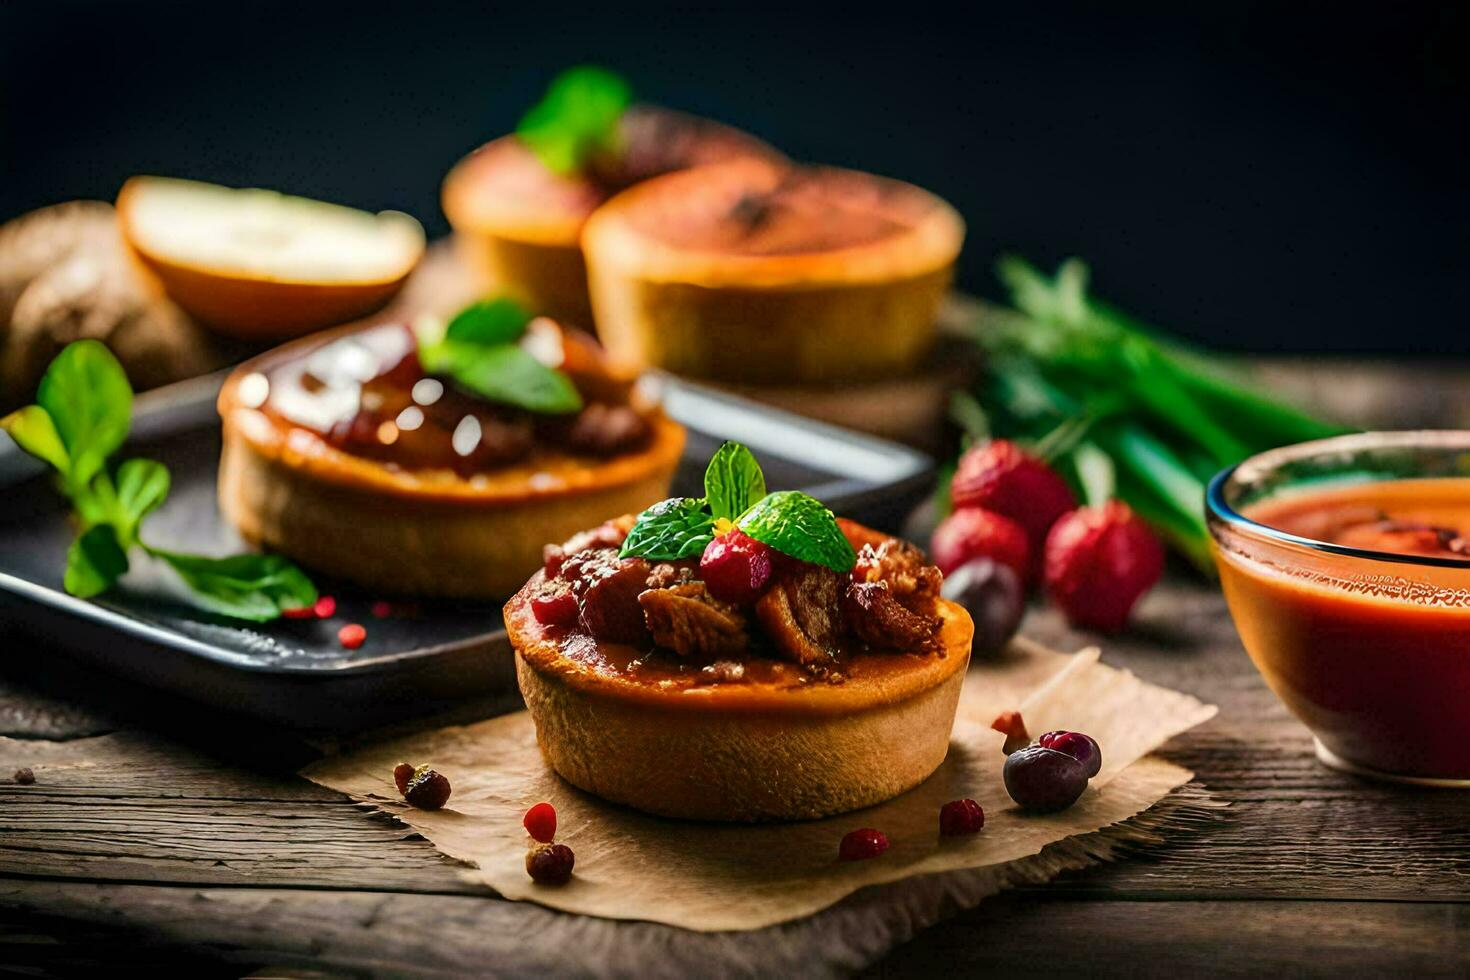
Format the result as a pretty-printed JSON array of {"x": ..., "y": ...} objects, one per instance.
[{"x": 294, "y": 672}]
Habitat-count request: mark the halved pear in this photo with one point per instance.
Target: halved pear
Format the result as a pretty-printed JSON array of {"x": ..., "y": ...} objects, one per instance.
[{"x": 261, "y": 265}]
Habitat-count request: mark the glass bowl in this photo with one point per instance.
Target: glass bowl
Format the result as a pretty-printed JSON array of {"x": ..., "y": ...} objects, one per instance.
[{"x": 1370, "y": 649}]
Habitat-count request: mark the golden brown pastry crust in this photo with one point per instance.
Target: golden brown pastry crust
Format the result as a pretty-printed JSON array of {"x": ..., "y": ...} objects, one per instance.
[{"x": 742, "y": 751}]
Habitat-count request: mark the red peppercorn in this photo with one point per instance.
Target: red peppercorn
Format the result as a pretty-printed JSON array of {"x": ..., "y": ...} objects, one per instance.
[
  {"x": 427, "y": 789},
  {"x": 352, "y": 636},
  {"x": 974, "y": 533},
  {"x": 325, "y": 607},
  {"x": 402, "y": 773},
  {"x": 1001, "y": 477},
  {"x": 861, "y": 844},
  {"x": 960, "y": 817},
  {"x": 540, "y": 822},
  {"x": 550, "y": 864},
  {"x": 1099, "y": 563}
]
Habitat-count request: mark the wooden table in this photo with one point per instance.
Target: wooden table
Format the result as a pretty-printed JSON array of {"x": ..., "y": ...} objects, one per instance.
[{"x": 183, "y": 841}]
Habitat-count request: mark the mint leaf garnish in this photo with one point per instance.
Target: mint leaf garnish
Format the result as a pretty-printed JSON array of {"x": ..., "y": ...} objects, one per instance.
[
  {"x": 733, "y": 481},
  {"x": 509, "y": 375},
  {"x": 577, "y": 119},
  {"x": 84, "y": 410},
  {"x": 680, "y": 527},
  {"x": 801, "y": 527},
  {"x": 488, "y": 322}
]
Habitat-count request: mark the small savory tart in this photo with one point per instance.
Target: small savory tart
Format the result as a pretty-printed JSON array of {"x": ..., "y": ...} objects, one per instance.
[
  {"x": 749, "y": 272},
  {"x": 739, "y": 682},
  {"x": 363, "y": 456},
  {"x": 519, "y": 224}
]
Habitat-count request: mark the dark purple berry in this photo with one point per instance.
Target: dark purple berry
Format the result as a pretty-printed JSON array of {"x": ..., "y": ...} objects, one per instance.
[
  {"x": 1043, "y": 779},
  {"x": 550, "y": 864},
  {"x": 1083, "y": 748},
  {"x": 960, "y": 817},
  {"x": 993, "y": 595},
  {"x": 428, "y": 789}
]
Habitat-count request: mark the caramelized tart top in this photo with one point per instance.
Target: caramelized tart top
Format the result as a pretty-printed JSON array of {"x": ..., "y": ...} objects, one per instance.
[{"x": 802, "y": 638}]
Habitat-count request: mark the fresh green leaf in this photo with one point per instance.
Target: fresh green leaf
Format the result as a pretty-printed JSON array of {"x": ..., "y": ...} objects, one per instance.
[
  {"x": 255, "y": 587},
  {"x": 32, "y": 429},
  {"x": 94, "y": 561},
  {"x": 142, "y": 484},
  {"x": 679, "y": 527},
  {"x": 508, "y": 375},
  {"x": 733, "y": 481},
  {"x": 1095, "y": 473},
  {"x": 577, "y": 119},
  {"x": 801, "y": 527},
  {"x": 489, "y": 322},
  {"x": 87, "y": 395}
]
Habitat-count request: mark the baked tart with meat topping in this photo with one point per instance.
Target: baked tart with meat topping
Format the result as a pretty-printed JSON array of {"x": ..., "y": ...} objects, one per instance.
[
  {"x": 518, "y": 203},
  {"x": 437, "y": 461},
  {"x": 742, "y": 656},
  {"x": 811, "y": 275}
]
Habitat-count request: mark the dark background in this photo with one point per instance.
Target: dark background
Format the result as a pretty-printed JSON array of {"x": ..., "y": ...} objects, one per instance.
[{"x": 1258, "y": 176}]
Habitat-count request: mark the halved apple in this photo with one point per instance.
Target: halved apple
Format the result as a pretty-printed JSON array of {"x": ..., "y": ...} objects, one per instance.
[{"x": 260, "y": 265}]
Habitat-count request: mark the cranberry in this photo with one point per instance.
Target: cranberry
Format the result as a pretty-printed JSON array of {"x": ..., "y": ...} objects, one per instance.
[
  {"x": 993, "y": 595},
  {"x": 540, "y": 822},
  {"x": 325, "y": 607},
  {"x": 736, "y": 567},
  {"x": 1001, "y": 477},
  {"x": 427, "y": 789},
  {"x": 974, "y": 533},
  {"x": 1043, "y": 779},
  {"x": 1099, "y": 562},
  {"x": 1083, "y": 748},
  {"x": 555, "y": 607},
  {"x": 382, "y": 609},
  {"x": 859, "y": 845},
  {"x": 1011, "y": 725},
  {"x": 402, "y": 773},
  {"x": 352, "y": 636},
  {"x": 550, "y": 864},
  {"x": 960, "y": 817}
]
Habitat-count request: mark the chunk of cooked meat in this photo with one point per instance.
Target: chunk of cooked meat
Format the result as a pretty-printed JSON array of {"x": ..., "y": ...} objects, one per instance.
[
  {"x": 607, "y": 589},
  {"x": 913, "y": 582},
  {"x": 608, "y": 534},
  {"x": 880, "y": 620},
  {"x": 599, "y": 429},
  {"x": 689, "y": 621},
  {"x": 801, "y": 613},
  {"x": 670, "y": 573}
]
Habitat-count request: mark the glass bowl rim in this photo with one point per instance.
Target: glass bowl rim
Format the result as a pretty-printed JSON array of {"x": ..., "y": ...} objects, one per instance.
[{"x": 1217, "y": 509}]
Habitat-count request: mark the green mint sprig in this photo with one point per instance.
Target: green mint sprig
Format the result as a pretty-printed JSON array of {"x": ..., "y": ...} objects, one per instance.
[
  {"x": 480, "y": 351},
  {"x": 577, "y": 119},
  {"x": 82, "y": 415},
  {"x": 735, "y": 496}
]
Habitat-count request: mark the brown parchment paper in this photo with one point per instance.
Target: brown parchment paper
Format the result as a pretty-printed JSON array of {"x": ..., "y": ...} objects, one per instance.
[{"x": 712, "y": 877}]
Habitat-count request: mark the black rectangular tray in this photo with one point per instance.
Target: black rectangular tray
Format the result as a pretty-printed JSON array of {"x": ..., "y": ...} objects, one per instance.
[{"x": 294, "y": 672}]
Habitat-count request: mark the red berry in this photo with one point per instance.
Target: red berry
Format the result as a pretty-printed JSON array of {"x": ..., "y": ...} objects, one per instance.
[
  {"x": 1099, "y": 562},
  {"x": 555, "y": 606},
  {"x": 300, "y": 612},
  {"x": 382, "y": 609},
  {"x": 1083, "y": 748},
  {"x": 859, "y": 845},
  {"x": 427, "y": 789},
  {"x": 402, "y": 773},
  {"x": 352, "y": 636},
  {"x": 540, "y": 822},
  {"x": 324, "y": 608},
  {"x": 1001, "y": 477},
  {"x": 960, "y": 817},
  {"x": 550, "y": 864},
  {"x": 736, "y": 567},
  {"x": 974, "y": 533}
]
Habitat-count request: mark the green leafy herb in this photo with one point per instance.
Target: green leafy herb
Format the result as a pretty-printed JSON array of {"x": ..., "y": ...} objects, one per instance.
[
  {"x": 490, "y": 321},
  {"x": 733, "y": 481},
  {"x": 1116, "y": 406},
  {"x": 800, "y": 526},
  {"x": 479, "y": 352},
  {"x": 83, "y": 412},
  {"x": 680, "y": 527},
  {"x": 577, "y": 119}
]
